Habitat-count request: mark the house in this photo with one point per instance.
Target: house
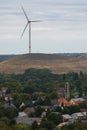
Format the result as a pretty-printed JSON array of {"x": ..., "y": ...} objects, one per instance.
[
  {"x": 9, "y": 105},
  {"x": 62, "y": 124},
  {"x": 8, "y": 97},
  {"x": 85, "y": 97},
  {"x": 27, "y": 120},
  {"x": 4, "y": 89},
  {"x": 84, "y": 112},
  {"x": 28, "y": 103},
  {"x": 54, "y": 102},
  {"x": 29, "y": 110},
  {"x": 22, "y": 114},
  {"x": 76, "y": 101},
  {"x": 63, "y": 102},
  {"x": 45, "y": 107},
  {"x": 43, "y": 114},
  {"x": 56, "y": 113},
  {"x": 22, "y": 105},
  {"x": 77, "y": 116},
  {"x": 85, "y": 115},
  {"x": 67, "y": 117}
]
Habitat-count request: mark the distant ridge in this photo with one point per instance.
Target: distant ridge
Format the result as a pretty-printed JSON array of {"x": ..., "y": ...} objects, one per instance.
[
  {"x": 5, "y": 57},
  {"x": 57, "y": 63}
]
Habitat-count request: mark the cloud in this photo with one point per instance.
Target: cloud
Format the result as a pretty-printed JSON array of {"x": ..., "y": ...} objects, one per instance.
[{"x": 64, "y": 24}]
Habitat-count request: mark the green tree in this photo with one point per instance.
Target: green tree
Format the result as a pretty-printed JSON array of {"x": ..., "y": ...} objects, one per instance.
[
  {"x": 74, "y": 109},
  {"x": 38, "y": 111},
  {"x": 47, "y": 101},
  {"x": 53, "y": 95},
  {"x": 34, "y": 125},
  {"x": 55, "y": 118},
  {"x": 47, "y": 124},
  {"x": 10, "y": 112}
]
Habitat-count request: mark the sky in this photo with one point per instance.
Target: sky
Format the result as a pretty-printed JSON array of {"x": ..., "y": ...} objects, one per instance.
[{"x": 63, "y": 28}]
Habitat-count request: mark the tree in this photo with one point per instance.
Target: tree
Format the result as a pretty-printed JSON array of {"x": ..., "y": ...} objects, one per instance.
[
  {"x": 38, "y": 111},
  {"x": 47, "y": 101},
  {"x": 74, "y": 109},
  {"x": 17, "y": 99},
  {"x": 55, "y": 118},
  {"x": 34, "y": 125},
  {"x": 53, "y": 95},
  {"x": 83, "y": 105},
  {"x": 47, "y": 124},
  {"x": 65, "y": 110},
  {"x": 2, "y": 112},
  {"x": 10, "y": 112},
  {"x": 39, "y": 101},
  {"x": 75, "y": 126}
]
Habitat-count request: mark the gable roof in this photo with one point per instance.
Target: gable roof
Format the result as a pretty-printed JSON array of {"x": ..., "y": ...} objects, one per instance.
[
  {"x": 63, "y": 101},
  {"x": 26, "y": 120},
  {"x": 77, "y": 115},
  {"x": 78, "y": 99},
  {"x": 66, "y": 116},
  {"x": 22, "y": 114}
]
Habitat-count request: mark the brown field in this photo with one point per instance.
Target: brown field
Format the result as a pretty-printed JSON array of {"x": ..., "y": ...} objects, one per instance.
[{"x": 57, "y": 63}]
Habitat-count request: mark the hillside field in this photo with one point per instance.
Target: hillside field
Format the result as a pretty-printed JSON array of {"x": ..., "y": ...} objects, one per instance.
[{"x": 57, "y": 63}]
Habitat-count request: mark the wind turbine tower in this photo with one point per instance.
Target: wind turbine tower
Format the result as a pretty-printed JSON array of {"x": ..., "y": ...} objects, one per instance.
[{"x": 29, "y": 26}]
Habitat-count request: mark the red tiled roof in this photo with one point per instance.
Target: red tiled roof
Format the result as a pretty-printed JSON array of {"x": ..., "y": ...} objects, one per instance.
[
  {"x": 63, "y": 101},
  {"x": 83, "y": 110},
  {"x": 78, "y": 102}
]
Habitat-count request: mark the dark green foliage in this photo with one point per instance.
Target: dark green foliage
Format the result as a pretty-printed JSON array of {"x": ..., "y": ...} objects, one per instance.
[
  {"x": 55, "y": 118},
  {"x": 1, "y": 112},
  {"x": 58, "y": 109},
  {"x": 38, "y": 111},
  {"x": 19, "y": 98},
  {"x": 5, "y": 120},
  {"x": 10, "y": 112},
  {"x": 53, "y": 95},
  {"x": 66, "y": 110},
  {"x": 42, "y": 80},
  {"x": 39, "y": 101},
  {"x": 83, "y": 105},
  {"x": 12, "y": 122},
  {"x": 34, "y": 125},
  {"x": 47, "y": 101},
  {"x": 47, "y": 124},
  {"x": 76, "y": 126},
  {"x": 73, "y": 109}
]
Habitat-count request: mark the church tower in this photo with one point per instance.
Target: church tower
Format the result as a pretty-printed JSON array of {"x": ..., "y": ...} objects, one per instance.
[{"x": 67, "y": 91}]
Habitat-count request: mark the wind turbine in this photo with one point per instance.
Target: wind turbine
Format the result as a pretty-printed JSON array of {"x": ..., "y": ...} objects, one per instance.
[{"x": 28, "y": 25}]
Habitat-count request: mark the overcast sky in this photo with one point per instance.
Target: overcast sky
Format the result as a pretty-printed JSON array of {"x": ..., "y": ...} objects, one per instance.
[{"x": 63, "y": 30}]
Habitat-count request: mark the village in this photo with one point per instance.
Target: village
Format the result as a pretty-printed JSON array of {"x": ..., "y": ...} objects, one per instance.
[{"x": 68, "y": 110}]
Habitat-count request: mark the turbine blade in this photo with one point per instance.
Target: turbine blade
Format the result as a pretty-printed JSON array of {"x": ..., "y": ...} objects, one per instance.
[
  {"x": 25, "y": 13},
  {"x": 24, "y": 29},
  {"x": 36, "y": 21}
]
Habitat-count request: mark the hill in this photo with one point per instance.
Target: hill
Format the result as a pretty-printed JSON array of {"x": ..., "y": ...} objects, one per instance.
[
  {"x": 5, "y": 57},
  {"x": 57, "y": 63}
]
